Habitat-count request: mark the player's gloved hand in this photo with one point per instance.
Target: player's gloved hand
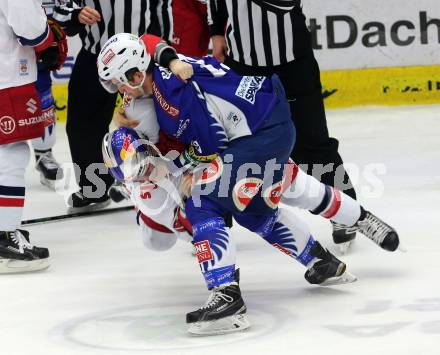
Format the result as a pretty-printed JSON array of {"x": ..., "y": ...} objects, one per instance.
[
  {"x": 121, "y": 120},
  {"x": 55, "y": 55},
  {"x": 181, "y": 69}
]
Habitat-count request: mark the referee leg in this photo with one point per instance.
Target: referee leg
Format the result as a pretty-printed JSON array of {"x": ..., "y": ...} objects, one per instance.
[
  {"x": 89, "y": 113},
  {"x": 302, "y": 82}
]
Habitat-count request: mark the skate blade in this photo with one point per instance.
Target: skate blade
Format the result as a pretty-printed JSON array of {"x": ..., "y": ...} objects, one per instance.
[
  {"x": 48, "y": 183},
  {"x": 231, "y": 324},
  {"x": 10, "y": 266},
  {"x": 345, "y": 278},
  {"x": 402, "y": 248},
  {"x": 117, "y": 196},
  {"x": 89, "y": 208},
  {"x": 344, "y": 248}
]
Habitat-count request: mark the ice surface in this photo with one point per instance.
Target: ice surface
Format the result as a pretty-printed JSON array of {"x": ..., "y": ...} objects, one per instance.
[{"x": 105, "y": 294}]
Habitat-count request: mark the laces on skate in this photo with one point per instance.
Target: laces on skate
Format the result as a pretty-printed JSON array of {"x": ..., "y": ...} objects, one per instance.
[
  {"x": 21, "y": 241},
  {"x": 48, "y": 160}
]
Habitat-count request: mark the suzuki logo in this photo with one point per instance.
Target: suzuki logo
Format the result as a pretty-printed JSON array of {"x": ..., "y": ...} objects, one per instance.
[{"x": 31, "y": 106}]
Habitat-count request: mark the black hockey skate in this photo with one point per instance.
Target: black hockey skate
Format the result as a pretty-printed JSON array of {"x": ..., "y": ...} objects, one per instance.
[
  {"x": 77, "y": 202},
  {"x": 343, "y": 236},
  {"x": 378, "y": 231},
  {"x": 327, "y": 270},
  {"x": 17, "y": 254},
  {"x": 50, "y": 170},
  {"x": 223, "y": 312},
  {"x": 118, "y": 192}
]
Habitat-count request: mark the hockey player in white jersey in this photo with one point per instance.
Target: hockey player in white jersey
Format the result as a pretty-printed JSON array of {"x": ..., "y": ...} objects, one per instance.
[
  {"x": 24, "y": 31},
  {"x": 160, "y": 215}
]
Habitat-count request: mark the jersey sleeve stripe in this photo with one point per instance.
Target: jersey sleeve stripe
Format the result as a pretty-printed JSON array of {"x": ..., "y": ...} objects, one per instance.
[
  {"x": 12, "y": 191},
  {"x": 11, "y": 202},
  {"x": 154, "y": 225},
  {"x": 35, "y": 41}
]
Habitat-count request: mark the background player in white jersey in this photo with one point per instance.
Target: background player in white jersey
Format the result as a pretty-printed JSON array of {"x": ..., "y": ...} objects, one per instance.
[{"x": 24, "y": 31}]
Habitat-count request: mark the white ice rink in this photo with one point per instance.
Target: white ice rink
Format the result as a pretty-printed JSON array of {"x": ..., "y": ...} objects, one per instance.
[{"x": 105, "y": 294}]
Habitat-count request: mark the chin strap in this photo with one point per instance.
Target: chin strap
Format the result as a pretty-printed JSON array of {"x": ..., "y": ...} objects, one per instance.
[{"x": 140, "y": 85}]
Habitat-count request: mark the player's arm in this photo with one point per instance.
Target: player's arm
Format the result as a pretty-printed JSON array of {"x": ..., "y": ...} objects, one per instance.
[
  {"x": 166, "y": 56},
  {"x": 31, "y": 31},
  {"x": 73, "y": 15}
]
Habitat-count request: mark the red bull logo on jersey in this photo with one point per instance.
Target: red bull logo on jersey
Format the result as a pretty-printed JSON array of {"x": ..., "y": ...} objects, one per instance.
[
  {"x": 203, "y": 251},
  {"x": 244, "y": 191},
  {"x": 127, "y": 150}
]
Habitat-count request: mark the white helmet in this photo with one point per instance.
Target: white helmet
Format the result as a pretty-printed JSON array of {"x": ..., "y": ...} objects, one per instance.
[{"x": 122, "y": 52}]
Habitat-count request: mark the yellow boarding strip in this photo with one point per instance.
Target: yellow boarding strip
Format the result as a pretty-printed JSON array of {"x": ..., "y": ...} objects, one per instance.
[
  {"x": 381, "y": 86},
  {"x": 60, "y": 95},
  {"x": 358, "y": 87}
]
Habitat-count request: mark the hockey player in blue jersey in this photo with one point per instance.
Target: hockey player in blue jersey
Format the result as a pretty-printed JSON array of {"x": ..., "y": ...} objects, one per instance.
[{"x": 241, "y": 126}]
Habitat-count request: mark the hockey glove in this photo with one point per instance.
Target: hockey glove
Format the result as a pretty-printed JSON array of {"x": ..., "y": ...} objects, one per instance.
[{"x": 54, "y": 57}]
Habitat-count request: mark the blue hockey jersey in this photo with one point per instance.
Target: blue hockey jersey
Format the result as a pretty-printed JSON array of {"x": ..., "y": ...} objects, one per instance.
[{"x": 214, "y": 107}]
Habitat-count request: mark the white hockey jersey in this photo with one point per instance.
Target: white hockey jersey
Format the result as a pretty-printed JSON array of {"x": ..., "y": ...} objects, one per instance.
[
  {"x": 23, "y": 25},
  {"x": 142, "y": 110},
  {"x": 157, "y": 202}
]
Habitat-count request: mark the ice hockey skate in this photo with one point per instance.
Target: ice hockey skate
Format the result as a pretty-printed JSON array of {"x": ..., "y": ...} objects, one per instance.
[
  {"x": 343, "y": 236},
  {"x": 223, "y": 312},
  {"x": 50, "y": 170},
  {"x": 327, "y": 270},
  {"x": 17, "y": 254},
  {"x": 378, "y": 231},
  {"x": 118, "y": 192},
  {"x": 78, "y": 202}
]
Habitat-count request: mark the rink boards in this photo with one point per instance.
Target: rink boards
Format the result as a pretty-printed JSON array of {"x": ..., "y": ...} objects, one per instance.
[
  {"x": 381, "y": 86},
  {"x": 356, "y": 87}
]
